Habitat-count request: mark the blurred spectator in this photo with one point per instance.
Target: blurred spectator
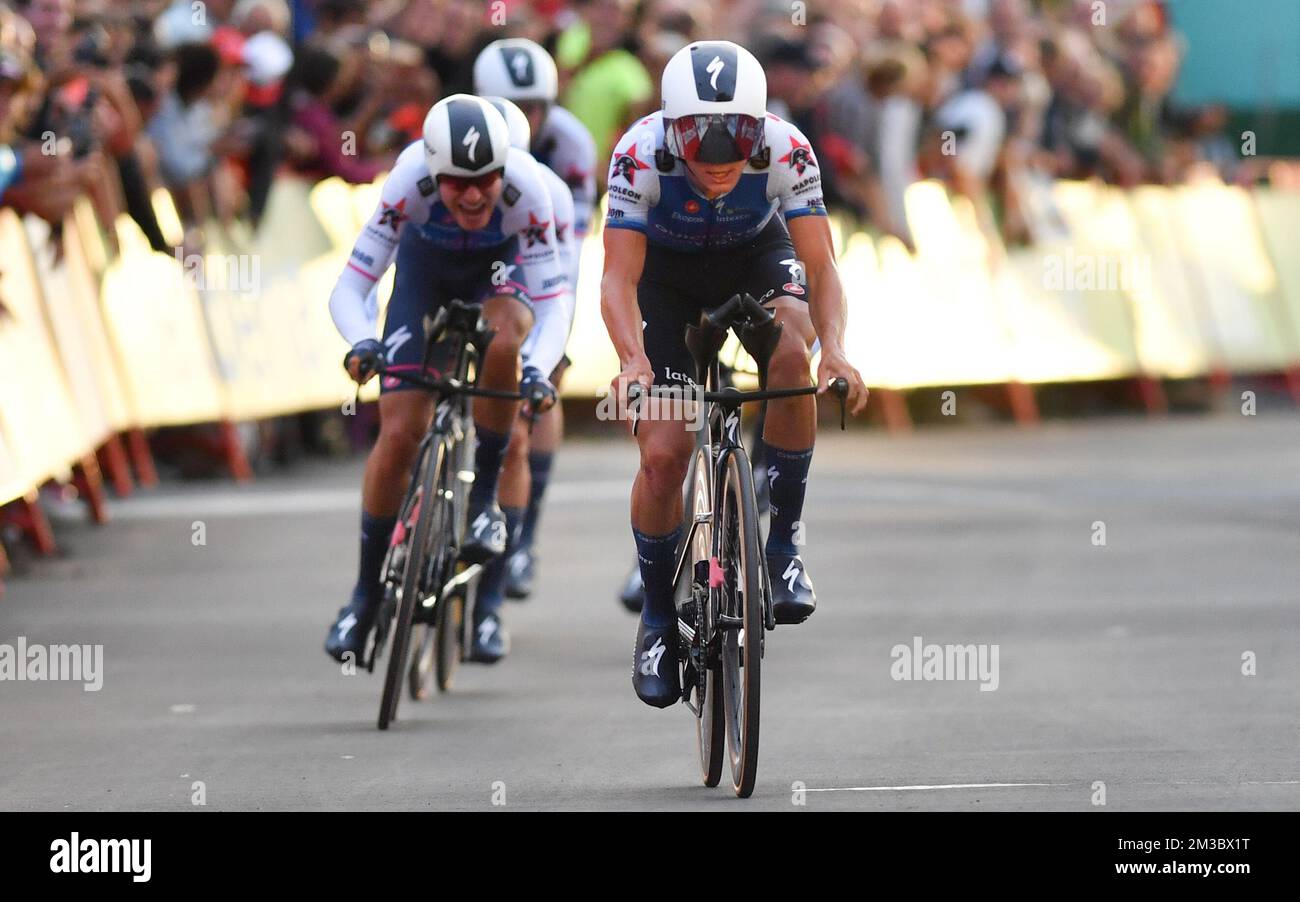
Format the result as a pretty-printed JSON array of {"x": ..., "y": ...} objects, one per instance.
[{"x": 609, "y": 87}]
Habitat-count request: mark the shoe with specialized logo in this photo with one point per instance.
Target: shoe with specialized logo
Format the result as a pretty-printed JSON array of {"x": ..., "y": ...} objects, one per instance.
[
  {"x": 491, "y": 642},
  {"x": 486, "y": 536},
  {"x": 520, "y": 574},
  {"x": 350, "y": 630},
  {"x": 633, "y": 592},
  {"x": 654, "y": 665},
  {"x": 793, "y": 598}
]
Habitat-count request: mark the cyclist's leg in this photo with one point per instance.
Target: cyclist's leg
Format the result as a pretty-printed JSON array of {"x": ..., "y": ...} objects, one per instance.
[
  {"x": 790, "y": 427},
  {"x": 403, "y": 418},
  {"x": 510, "y": 318}
]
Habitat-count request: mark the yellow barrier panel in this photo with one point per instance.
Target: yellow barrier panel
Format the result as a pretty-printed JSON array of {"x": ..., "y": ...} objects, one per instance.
[
  {"x": 37, "y": 413},
  {"x": 84, "y": 284},
  {"x": 950, "y": 323},
  {"x": 75, "y": 352},
  {"x": 1186, "y": 320},
  {"x": 289, "y": 231},
  {"x": 1279, "y": 219},
  {"x": 169, "y": 220},
  {"x": 1231, "y": 272},
  {"x": 336, "y": 204},
  {"x": 159, "y": 336}
]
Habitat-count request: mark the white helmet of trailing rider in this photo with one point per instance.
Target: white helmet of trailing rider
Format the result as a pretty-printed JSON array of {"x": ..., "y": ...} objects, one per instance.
[
  {"x": 465, "y": 137},
  {"x": 520, "y": 132},
  {"x": 715, "y": 102},
  {"x": 516, "y": 69}
]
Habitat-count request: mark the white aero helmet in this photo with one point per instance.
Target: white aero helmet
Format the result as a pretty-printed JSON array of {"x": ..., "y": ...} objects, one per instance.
[
  {"x": 521, "y": 134},
  {"x": 516, "y": 69},
  {"x": 465, "y": 137},
  {"x": 715, "y": 101}
]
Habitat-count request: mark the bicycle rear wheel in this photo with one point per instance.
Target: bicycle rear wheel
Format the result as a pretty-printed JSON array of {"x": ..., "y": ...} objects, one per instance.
[
  {"x": 741, "y": 624},
  {"x": 429, "y": 536}
]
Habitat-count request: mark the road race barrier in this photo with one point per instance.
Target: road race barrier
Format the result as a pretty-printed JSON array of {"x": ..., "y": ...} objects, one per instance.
[{"x": 1150, "y": 284}]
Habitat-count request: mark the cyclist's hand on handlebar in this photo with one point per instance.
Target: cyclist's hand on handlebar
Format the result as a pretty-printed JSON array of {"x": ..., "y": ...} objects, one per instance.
[
  {"x": 538, "y": 392},
  {"x": 361, "y": 361},
  {"x": 834, "y": 365},
  {"x": 637, "y": 369}
]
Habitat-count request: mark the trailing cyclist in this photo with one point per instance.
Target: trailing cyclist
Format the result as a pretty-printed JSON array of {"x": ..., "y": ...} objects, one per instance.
[
  {"x": 523, "y": 72},
  {"x": 694, "y": 196},
  {"x": 464, "y": 216}
]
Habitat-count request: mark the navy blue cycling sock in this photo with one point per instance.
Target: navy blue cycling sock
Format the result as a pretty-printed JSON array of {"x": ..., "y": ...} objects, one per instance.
[
  {"x": 787, "y": 478},
  {"x": 491, "y": 585},
  {"x": 658, "y": 557},
  {"x": 375, "y": 535},
  {"x": 539, "y": 471},
  {"x": 489, "y": 452}
]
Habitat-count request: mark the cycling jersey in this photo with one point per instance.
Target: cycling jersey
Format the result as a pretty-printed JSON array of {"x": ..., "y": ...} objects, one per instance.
[
  {"x": 566, "y": 244},
  {"x": 409, "y": 203},
  {"x": 564, "y": 144},
  {"x": 664, "y": 206}
]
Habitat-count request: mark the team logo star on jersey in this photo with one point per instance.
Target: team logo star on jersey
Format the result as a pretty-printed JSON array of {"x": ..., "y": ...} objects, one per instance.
[
  {"x": 574, "y": 177},
  {"x": 627, "y": 165},
  {"x": 393, "y": 216},
  {"x": 536, "y": 231},
  {"x": 800, "y": 156},
  {"x": 559, "y": 230}
]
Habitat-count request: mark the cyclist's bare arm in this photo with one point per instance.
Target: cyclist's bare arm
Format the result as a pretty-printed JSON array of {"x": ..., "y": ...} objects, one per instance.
[
  {"x": 624, "y": 258},
  {"x": 813, "y": 246}
]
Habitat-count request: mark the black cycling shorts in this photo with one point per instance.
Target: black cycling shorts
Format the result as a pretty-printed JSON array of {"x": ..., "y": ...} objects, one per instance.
[
  {"x": 428, "y": 278},
  {"x": 676, "y": 285}
]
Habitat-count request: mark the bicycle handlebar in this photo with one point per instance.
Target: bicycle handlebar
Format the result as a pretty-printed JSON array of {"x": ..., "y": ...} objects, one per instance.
[
  {"x": 450, "y": 386},
  {"x": 636, "y": 392}
]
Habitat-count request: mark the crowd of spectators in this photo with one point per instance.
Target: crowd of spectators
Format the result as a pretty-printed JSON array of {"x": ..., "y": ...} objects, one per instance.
[{"x": 214, "y": 99}]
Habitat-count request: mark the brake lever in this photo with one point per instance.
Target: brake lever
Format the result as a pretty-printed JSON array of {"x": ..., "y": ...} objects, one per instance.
[
  {"x": 635, "y": 392},
  {"x": 841, "y": 388}
]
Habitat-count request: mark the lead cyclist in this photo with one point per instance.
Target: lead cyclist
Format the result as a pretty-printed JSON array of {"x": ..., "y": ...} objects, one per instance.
[{"x": 711, "y": 196}]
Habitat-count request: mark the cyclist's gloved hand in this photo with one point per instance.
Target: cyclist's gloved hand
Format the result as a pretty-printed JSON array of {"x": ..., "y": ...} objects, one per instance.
[
  {"x": 360, "y": 362},
  {"x": 538, "y": 392}
]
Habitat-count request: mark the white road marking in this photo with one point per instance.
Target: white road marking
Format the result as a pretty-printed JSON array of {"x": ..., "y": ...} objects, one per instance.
[
  {"x": 923, "y": 787},
  {"x": 936, "y": 786}
]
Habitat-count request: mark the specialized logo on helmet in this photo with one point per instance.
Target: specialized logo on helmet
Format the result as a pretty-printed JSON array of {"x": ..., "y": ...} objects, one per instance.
[
  {"x": 519, "y": 66},
  {"x": 714, "y": 64},
  {"x": 535, "y": 231},
  {"x": 393, "y": 216},
  {"x": 799, "y": 157},
  {"x": 627, "y": 165},
  {"x": 468, "y": 127}
]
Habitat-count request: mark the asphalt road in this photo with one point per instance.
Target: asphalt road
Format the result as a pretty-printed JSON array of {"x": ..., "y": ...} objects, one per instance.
[{"x": 1118, "y": 663}]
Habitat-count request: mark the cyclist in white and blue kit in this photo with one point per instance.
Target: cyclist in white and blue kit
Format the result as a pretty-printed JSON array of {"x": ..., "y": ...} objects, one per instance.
[
  {"x": 464, "y": 215},
  {"x": 709, "y": 197}
]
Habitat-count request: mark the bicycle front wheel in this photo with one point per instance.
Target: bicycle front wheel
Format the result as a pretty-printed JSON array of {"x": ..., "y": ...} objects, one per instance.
[
  {"x": 430, "y": 534},
  {"x": 741, "y": 620}
]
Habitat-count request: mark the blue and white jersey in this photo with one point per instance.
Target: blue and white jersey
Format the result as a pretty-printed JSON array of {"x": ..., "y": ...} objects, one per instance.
[
  {"x": 409, "y": 201},
  {"x": 564, "y": 145},
  {"x": 669, "y": 211}
]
